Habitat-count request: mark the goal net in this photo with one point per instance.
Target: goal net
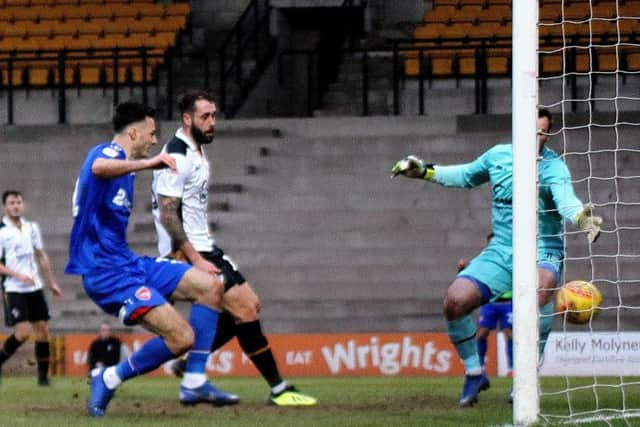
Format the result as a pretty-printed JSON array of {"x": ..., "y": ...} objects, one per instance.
[{"x": 589, "y": 78}]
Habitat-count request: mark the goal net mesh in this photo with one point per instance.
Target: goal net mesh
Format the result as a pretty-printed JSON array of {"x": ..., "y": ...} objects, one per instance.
[{"x": 589, "y": 55}]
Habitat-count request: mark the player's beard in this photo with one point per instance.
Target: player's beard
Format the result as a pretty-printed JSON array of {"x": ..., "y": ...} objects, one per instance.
[{"x": 199, "y": 136}]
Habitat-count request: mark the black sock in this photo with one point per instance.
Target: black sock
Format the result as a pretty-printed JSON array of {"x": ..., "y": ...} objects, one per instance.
[
  {"x": 42, "y": 358},
  {"x": 256, "y": 347},
  {"x": 10, "y": 346},
  {"x": 225, "y": 330}
]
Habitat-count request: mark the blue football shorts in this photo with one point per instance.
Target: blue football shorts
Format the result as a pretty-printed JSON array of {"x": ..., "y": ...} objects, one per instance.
[
  {"x": 492, "y": 269},
  {"x": 131, "y": 291},
  {"x": 496, "y": 314}
]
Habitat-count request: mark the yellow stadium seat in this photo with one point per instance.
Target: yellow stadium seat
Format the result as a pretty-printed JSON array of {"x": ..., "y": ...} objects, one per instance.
[
  {"x": 438, "y": 16},
  {"x": 127, "y": 11},
  {"x": 499, "y": 13},
  {"x": 485, "y": 31},
  {"x": 430, "y": 31},
  {"x": 629, "y": 8},
  {"x": 20, "y": 14},
  {"x": 15, "y": 30},
  {"x": 150, "y": 9},
  {"x": 411, "y": 67},
  {"x": 466, "y": 60},
  {"x": 441, "y": 65},
  {"x": 576, "y": 11},
  {"x": 607, "y": 62},
  {"x": 161, "y": 39},
  {"x": 119, "y": 26},
  {"x": 633, "y": 62},
  {"x": 177, "y": 9},
  {"x": 467, "y": 14},
  {"x": 551, "y": 63},
  {"x": 81, "y": 43},
  {"x": 498, "y": 65},
  {"x": 174, "y": 23},
  {"x": 89, "y": 28},
  {"x": 583, "y": 62},
  {"x": 21, "y": 3},
  {"x": 104, "y": 11},
  {"x": 51, "y": 13},
  {"x": 74, "y": 12},
  {"x": 549, "y": 14},
  {"x": 604, "y": 10},
  {"x": 147, "y": 25}
]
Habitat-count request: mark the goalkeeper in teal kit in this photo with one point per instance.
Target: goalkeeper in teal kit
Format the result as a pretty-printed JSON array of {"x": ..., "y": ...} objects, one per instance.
[{"x": 489, "y": 274}]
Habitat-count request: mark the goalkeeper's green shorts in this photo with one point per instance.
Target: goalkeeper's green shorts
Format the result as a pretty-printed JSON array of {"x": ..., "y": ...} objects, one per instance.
[{"x": 493, "y": 268}]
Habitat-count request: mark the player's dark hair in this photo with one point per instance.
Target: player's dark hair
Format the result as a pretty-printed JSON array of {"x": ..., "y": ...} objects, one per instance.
[
  {"x": 543, "y": 112},
  {"x": 8, "y": 193},
  {"x": 130, "y": 112},
  {"x": 187, "y": 102}
]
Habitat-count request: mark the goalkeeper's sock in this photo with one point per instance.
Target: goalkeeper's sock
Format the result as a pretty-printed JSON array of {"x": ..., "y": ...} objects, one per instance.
[
  {"x": 482, "y": 350},
  {"x": 546, "y": 322},
  {"x": 462, "y": 333},
  {"x": 510, "y": 353}
]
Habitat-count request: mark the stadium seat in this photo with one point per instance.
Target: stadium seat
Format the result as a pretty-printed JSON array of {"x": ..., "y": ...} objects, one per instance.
[
  {"x": 178, "y": 9},
  {"x": 46, "y": 27},
  {"x": 550, "y": 64}
]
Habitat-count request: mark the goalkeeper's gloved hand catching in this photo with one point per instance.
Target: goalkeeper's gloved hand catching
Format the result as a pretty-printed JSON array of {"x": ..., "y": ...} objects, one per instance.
[
  {"x": 588, "y": 222},
  {"x": 412, "y": 167}
]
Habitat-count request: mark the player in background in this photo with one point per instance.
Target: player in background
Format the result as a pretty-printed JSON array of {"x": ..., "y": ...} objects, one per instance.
[
  {"x": 133, "y": 287},
  {"x": 489, "y": 275},
  {"x": 105, "y": 350},
  {"x": 494, "y": 316},
  {"x": 25, "y": 306},
  {"x": 180, "y": 205}
]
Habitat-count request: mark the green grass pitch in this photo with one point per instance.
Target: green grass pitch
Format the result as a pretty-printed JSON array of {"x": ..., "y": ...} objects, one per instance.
[{"x": 342, "y": 402}]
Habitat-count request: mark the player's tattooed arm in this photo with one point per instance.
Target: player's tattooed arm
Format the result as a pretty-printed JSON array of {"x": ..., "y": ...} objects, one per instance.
[{"x": 170, "y": 219}]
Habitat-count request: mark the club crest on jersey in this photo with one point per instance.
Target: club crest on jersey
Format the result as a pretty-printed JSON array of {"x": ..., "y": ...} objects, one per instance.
[{"x": 143, "y": 294}]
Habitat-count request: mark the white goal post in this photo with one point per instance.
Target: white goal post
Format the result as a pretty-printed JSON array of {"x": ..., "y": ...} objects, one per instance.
[{"x": 525, "y": 201}]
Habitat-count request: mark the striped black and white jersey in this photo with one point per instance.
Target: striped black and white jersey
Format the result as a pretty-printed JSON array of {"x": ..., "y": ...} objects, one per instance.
[
  {"x": 190, "y": 182},
  {"x": 17, "y": 253}
]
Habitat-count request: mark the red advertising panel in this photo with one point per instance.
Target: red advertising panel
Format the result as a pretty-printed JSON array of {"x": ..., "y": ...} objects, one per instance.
[{"x": 398, "y": 354}]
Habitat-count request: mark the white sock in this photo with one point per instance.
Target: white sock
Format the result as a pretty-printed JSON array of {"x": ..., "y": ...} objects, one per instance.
[
  {"x": 111, "y": 378},
  {"x": 191, "y": 380},
  {"x": 279, "y": 388},
  {"x": 476, "y": 371}
]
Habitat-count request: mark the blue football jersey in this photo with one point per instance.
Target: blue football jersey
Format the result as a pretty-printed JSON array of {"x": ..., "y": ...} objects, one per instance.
[
  {"x": 556, "y": 197},
  {"x": 101, "y": 209}
]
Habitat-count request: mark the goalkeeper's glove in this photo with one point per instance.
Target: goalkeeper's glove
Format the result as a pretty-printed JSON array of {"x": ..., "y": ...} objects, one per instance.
[
  {"x": 588, "y": 222},
  {"x": 412, "y": 167}
]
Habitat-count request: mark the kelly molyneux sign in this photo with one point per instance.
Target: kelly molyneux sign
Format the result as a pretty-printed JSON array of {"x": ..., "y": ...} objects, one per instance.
[{"x": 592, "y": 353}]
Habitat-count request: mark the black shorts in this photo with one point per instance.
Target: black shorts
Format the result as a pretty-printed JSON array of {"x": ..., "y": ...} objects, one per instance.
[
  {"x": 25, "y": 307},
  {"x": 231, "y": 275}
]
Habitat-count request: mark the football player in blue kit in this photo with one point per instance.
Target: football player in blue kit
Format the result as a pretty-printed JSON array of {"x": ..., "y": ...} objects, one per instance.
[
  {"x": 489, "y": 274},
  {"x": 132, "y": 287}
]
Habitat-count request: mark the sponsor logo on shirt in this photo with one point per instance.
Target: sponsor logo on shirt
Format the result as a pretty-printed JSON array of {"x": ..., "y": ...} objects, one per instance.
[{"x": 110, "y": 152}]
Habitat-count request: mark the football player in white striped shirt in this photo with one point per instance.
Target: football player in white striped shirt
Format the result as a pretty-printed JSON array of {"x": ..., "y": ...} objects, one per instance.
[
  {"x": 22, "y": 258},
  {"x": 180, "y": 202}
]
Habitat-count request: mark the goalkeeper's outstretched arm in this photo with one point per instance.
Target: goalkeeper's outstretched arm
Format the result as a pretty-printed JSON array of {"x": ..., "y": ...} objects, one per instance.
[{"x": 466, "y": 175}]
